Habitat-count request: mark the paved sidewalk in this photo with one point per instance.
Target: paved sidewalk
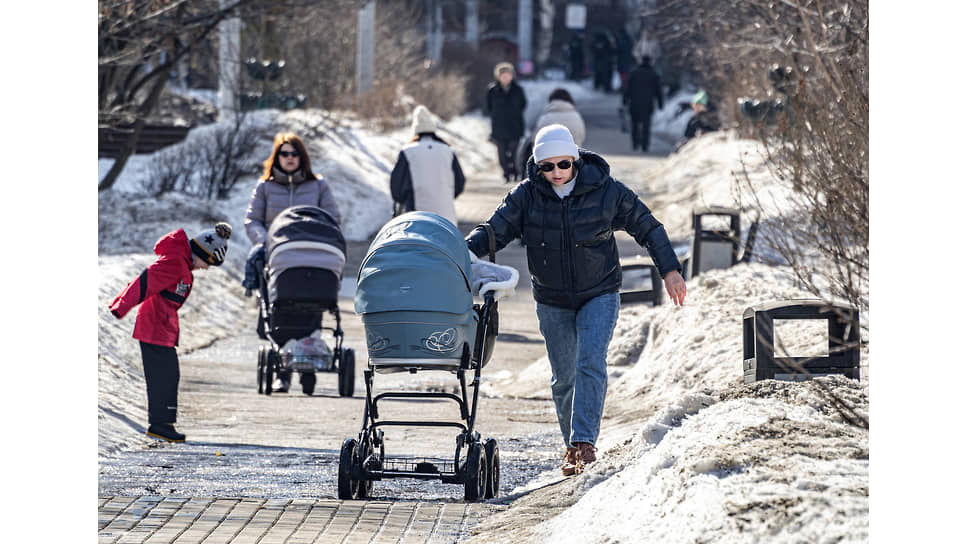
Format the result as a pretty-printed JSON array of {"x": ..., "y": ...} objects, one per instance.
[{"x": 210, "y": 520}]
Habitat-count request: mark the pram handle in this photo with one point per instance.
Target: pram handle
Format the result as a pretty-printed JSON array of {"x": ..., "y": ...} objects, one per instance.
[{"x": 491, "y": 243}]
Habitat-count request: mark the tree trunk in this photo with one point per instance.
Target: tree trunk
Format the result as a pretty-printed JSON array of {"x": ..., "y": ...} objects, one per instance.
[{"x": 146, "y": 107}]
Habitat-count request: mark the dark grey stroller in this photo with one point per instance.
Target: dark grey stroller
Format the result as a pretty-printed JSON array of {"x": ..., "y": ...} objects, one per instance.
[
  {"x": 414, "y": 295},
  {"x": 305, "y": 254}
]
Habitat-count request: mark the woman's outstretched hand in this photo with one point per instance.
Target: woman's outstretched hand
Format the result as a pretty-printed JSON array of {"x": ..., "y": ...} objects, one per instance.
[{"x": 676, "y": 287}]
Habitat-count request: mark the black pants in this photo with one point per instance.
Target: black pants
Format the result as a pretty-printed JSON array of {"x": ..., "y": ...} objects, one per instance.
[
  {"x": 161, "y": 376},
  {"x": 505, "y": 156},
  {"x": 641, "y": 127}
]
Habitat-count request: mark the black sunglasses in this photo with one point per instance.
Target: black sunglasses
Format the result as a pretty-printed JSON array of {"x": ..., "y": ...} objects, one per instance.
[
  {"x": 288, "y": 153},
  {"x": 548, "y": 166}
]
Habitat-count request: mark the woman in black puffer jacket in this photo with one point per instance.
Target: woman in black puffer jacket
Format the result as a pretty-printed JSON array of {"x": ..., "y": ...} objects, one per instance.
[{"x": 566, "y": 213}]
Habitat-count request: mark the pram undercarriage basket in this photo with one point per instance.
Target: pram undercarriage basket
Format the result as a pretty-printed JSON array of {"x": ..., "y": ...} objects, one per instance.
[{"x": 415, "y": 300}]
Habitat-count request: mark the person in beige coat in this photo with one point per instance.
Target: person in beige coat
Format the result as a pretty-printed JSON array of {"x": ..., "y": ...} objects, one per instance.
[
  {"x": 287, "y": 180},
  {"x": 560, "y": 110}
]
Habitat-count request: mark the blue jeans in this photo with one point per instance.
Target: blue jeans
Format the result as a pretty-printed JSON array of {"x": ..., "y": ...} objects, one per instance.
[{"x": 577, "y": 341}]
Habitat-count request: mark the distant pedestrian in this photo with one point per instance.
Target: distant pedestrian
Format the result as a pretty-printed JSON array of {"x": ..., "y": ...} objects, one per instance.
[
  {"x": 504, "y": 104},
  {"x": 562, "y": 110},
  {"x": 287, "y": 180},
  {"x": 603, "y": 58},
  {"x": 642, "y": 93},
  {"x": 624, "y": 61},
  {"x": 704, "y": 116},
  {"x": 566, "y": 212},
  {"x": 427, "y": 172},
  {"x": 161, "y": 289},
  {"x": 576, "y": 56}
]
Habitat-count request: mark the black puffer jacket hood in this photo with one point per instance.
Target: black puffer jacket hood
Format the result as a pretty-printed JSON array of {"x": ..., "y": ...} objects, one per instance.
[{"x": 572, "y": 253}]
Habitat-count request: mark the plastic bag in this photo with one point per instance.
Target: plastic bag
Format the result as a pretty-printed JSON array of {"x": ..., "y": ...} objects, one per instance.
[{"x": 309, "y": 353}]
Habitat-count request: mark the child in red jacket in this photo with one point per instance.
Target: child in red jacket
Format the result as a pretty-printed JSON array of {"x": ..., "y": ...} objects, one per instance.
[{"x": 161, "y": 290}]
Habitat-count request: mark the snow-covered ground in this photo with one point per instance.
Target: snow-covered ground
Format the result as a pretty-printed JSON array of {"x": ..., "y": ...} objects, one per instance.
[{"x": 691, "y": 454}]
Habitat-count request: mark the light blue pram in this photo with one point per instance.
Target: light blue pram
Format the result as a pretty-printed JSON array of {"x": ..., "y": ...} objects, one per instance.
[{"x": 415, "y": 297}]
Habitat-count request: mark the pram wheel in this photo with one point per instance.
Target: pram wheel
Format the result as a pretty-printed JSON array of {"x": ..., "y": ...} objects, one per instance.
[
  {"x": 347, "y": 372},
  {"x": 475, "y": 473},
  {"x": 350, "y": 460},
  {"x": 308, "y": 382},
  {"x": 492, "y": 458},
  {"x": 269, "y": 370},
  {"x": 261, "y": 366}
]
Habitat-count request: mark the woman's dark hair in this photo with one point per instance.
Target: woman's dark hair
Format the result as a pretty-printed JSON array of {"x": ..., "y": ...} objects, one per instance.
[
  {"x": 561, "y": 94},
  {"x": 273, "y": 160}
]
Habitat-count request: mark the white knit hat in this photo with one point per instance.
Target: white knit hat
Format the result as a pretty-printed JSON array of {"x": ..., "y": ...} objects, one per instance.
[
  {"x": 423, "y": 120},
  {"x": 554, "y": 141}
]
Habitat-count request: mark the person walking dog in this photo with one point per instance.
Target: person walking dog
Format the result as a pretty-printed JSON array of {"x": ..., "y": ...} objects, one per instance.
[
  {"x": 566, "y": 212},
  {"x": 161, "y": 289}
]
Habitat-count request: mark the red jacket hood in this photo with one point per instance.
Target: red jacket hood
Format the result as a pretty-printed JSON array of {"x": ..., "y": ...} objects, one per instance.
[{"x": 174, "y": 244}]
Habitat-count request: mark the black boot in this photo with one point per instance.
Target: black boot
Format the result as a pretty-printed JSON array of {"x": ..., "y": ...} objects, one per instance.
[{"x": 165, "y": 431}]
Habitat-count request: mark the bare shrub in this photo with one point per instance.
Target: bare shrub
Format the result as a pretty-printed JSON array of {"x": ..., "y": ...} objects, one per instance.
[
  {"x": 818, "y": 147},
  {"x": 208, "y": 163}
]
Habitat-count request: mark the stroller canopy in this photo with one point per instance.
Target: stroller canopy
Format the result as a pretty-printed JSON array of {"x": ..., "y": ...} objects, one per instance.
[
  {"x": 417, "y": 262},
  {"x": 305, "y": 236}
]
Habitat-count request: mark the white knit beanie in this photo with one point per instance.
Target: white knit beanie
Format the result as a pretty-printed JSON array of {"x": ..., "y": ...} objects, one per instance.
[
  {"x": 554, "y": 141},
  {"x": 423, "y": 120}
]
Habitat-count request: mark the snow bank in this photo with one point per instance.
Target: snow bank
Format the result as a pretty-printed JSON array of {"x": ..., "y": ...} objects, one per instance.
[{"x": 687, "y": 451}]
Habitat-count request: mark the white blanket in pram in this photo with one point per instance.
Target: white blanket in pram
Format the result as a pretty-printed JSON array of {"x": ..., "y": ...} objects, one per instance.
[{"x": 487, "y": 276}]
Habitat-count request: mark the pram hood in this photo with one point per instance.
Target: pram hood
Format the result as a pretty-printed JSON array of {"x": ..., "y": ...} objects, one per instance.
[
  {"x": 417, "y": 262},
  {"x": 305, "y": 236}
]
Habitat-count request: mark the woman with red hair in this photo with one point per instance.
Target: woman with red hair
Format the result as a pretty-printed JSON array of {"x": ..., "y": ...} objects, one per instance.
[{"x": 287, "y": 180}]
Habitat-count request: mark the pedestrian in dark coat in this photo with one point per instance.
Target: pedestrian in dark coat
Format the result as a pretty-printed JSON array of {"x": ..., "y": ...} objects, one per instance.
[
  {"x": 603, "y": 55},
  {"x": 504, "y": 104},
  {"x": 644, "y": 90},
  {"x": 576, "y": 56},
  {"x": 704, "y": 118},
  {"x": 566, "y": 212},
  {"x": 624, "y": 61},
  {"x": 161, "y": 289}
]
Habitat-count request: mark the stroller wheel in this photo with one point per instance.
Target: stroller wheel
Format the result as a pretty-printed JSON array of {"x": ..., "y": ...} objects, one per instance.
[
  {"x": 492, "y": 458},
  {"x": 308, "y": 382},
  {"x": 475, "y": 473},
  {"x": 270, "y": 370},
  {"x": 261, "y": 365},
  {"x": 347, "y": 372},
  {"x": 349, "y": 458}
]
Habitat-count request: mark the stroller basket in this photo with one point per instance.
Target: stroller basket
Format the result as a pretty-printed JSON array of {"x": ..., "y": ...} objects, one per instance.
[{"x": 418, "y": 465}]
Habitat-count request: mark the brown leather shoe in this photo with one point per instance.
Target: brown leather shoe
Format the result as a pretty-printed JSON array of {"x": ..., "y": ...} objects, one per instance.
[
  {"x": 572, "y": 463},
  {"x": 586, "y": 452}
]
